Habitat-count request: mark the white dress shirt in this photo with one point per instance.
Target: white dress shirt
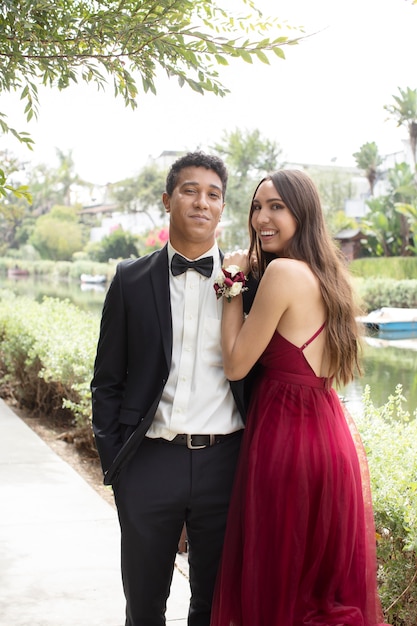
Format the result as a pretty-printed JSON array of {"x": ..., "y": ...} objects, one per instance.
[{"x": 197, "y": 398}]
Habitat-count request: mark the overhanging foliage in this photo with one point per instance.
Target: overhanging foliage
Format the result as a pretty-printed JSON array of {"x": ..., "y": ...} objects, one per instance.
[{"x": 60, "y": 42}]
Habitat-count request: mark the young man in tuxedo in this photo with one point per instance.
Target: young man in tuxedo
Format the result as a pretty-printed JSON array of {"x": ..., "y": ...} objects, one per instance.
[{"x": 167, "y": 423}]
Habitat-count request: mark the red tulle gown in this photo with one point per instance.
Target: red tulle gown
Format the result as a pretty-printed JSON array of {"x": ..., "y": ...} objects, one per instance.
[{"x": 300, "y": 540}]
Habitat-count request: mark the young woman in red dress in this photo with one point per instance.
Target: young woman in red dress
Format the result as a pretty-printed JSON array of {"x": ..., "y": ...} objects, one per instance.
[{"x": 300, "y": 540}]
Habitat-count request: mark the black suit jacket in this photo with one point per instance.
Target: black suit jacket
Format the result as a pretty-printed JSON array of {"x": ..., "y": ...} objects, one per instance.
[{"x": 134, "y": 358}]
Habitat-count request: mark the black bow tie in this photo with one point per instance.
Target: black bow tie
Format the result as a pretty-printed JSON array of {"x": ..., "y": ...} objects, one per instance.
[{"x": 179, "y": 265}]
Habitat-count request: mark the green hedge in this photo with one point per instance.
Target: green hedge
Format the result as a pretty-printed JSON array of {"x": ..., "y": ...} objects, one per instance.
[
  {"x": 400, "y": 268},
  {"x": 390, "y": 440},
  {"x": 375, "y": 293},
  {"x": 385, "y": 281},
  {"x": 46, "y": 355}
]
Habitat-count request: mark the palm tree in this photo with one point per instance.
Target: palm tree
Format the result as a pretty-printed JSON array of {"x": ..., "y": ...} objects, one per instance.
[
  {"x": 404, "y": 111},
  {"x": 369, "y": 160},
  {"x": 65, "y": 175}
]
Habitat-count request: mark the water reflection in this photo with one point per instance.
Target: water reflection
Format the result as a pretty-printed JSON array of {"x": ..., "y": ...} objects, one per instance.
[
  {"x": 100, "y": 288},
  {"x": 385, "y": 366},
  {"x": 88, "y": 297}
]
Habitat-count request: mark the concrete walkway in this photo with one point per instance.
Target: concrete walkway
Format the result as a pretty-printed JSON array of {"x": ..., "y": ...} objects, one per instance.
[{"x": 59, "y": 541}]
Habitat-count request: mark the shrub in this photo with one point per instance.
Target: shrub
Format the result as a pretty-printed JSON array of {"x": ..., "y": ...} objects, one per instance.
[
  {"x": 378, "y": 292},
  {"x": 400, "y": 268},
  {"x": 118, "y": 245},
  {"x": 154, "y": 239},
  {"x": 46, "y": 356},
  {"x": 57, "y": 235},
  {"x": 390, "y": 440}
]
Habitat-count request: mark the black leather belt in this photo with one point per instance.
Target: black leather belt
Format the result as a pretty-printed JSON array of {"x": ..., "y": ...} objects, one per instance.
[{"x": 196, "y": 442}]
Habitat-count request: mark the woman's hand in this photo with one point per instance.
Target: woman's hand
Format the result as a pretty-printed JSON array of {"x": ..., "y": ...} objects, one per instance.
[{"x": 239, "y": 258}]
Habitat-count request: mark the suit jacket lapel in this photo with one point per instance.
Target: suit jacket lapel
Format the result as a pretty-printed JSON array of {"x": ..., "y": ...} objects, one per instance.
[{"x": 160, "y": 284}]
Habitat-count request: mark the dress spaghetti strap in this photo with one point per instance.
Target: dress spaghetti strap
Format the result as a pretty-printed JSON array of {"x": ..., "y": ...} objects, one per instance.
[{"x": 316, "y": 334}]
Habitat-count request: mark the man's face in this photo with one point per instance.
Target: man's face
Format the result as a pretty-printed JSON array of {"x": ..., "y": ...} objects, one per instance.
[{"x": 195, "y": 208}]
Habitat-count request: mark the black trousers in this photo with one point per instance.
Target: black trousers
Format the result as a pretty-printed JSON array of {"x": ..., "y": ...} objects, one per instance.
[{"x": 162, "y": 487}]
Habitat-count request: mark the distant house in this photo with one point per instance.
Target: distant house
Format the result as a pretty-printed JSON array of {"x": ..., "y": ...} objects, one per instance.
[
  {"x": 98, "y": 210},
  {"x": 350, "y": 243},
  {"x": 167, "y": 158},
  {"x": 110, "y": 218}
]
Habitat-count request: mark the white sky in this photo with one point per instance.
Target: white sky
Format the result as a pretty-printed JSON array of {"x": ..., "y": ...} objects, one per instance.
[{"x": 323, "y": 102}]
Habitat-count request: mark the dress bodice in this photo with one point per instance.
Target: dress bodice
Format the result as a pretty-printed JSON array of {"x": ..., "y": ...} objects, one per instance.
[{"x": 286, "y": 361}]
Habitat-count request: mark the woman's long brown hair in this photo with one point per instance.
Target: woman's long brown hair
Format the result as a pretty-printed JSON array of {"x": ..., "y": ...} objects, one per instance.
[{"x": 313, "y": 244}]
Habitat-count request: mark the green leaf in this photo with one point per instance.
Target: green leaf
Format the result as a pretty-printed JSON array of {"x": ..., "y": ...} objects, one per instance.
[
  {"x": 279, "y": 52},
  {"x": 246, "y": 56},
  {"x": 262, "y": 56},
  {"x": 221, "y": 60},
  {"x": 195, "y": 86}
]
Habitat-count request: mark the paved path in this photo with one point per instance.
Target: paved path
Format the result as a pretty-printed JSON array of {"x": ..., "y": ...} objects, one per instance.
[{"x": 59, "y": 541}]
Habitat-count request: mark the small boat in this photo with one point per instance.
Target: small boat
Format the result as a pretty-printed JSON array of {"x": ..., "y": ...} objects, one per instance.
[
  {"x": 391, "y": 322},
  {"x": 95, "y": 279},
  {"x": 16, "y": 271}
]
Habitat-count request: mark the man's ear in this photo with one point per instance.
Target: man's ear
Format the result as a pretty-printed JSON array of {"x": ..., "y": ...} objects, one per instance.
[{"x": 166, "y": 201}]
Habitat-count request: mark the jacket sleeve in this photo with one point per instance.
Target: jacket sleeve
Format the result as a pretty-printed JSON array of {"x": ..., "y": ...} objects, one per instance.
[{"x": 110, "y": 369}]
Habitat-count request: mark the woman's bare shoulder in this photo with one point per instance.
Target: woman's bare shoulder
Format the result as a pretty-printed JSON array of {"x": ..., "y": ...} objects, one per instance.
[{"x": 288, "y": 269}]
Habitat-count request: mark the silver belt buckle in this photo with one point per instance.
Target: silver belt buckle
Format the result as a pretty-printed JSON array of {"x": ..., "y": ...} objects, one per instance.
[{"x": 191, "y": 447}]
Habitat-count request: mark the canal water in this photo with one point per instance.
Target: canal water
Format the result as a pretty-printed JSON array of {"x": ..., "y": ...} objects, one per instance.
[{"x": 386, "y": 363}]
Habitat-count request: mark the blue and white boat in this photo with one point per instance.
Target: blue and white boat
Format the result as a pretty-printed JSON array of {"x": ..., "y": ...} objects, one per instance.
[{"x": 391, "y": 323}]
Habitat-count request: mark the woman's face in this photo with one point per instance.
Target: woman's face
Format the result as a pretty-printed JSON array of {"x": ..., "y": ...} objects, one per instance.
[{"x": 272, "y": 220}]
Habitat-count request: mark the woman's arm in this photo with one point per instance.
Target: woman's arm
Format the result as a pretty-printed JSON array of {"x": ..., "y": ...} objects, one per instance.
[{"x": 243, "y": 341}]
